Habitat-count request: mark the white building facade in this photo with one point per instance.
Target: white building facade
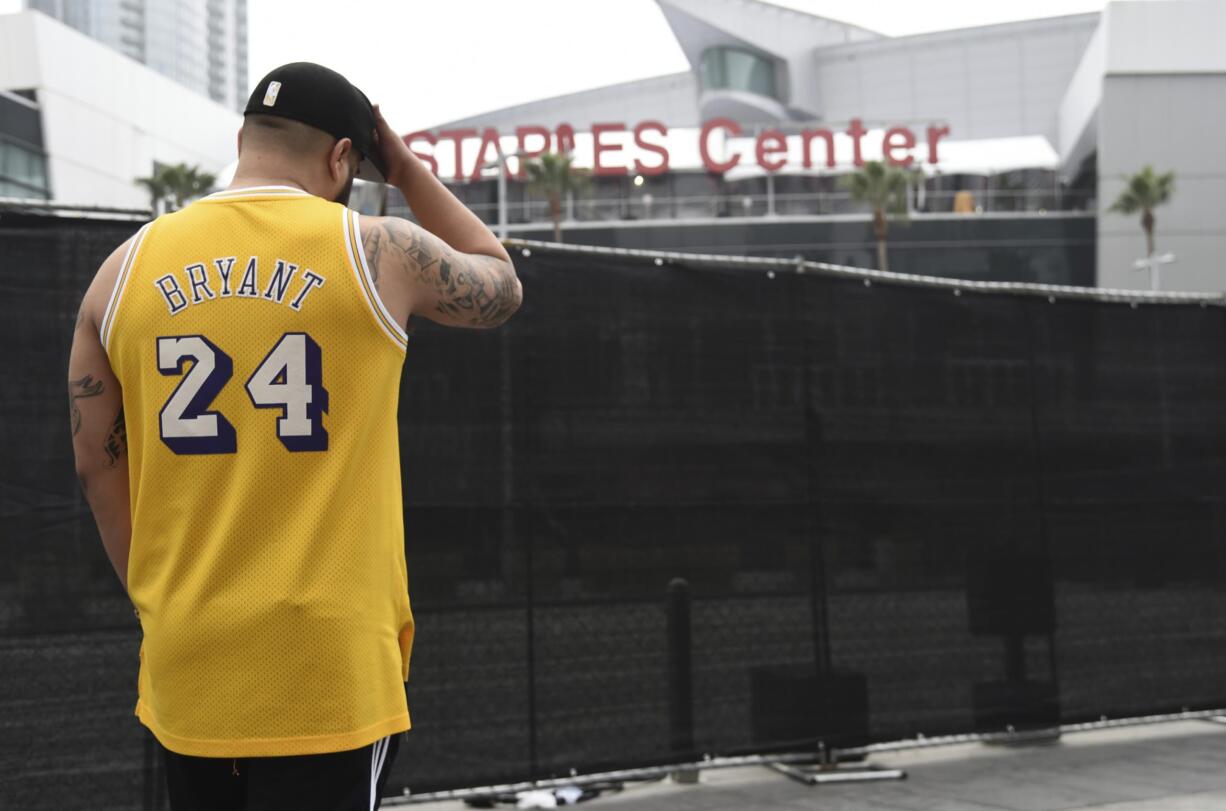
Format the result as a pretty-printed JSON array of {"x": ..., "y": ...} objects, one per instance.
[{"x": 80, "y": 130}]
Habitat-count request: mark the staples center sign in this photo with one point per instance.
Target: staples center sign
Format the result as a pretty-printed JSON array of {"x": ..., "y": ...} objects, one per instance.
[{"x": 612, "y": 143}]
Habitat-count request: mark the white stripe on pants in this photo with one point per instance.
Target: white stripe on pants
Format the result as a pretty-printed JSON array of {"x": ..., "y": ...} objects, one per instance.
[{"x": 377, "y": 750}]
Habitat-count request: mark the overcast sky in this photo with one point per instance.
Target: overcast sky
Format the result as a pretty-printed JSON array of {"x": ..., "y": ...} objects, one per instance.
[{"x": 430, "y": 62}]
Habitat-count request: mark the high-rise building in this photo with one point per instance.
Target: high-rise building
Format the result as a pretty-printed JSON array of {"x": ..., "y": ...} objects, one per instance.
[{"x": 201, "y": 44}]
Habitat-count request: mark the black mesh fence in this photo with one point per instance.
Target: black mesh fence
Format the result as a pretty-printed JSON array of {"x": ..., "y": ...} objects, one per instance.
[{"x": 896, "y": 509}]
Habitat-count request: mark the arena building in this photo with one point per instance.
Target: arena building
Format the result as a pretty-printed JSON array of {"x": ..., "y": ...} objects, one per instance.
[{"x": 1018, "y": 135}]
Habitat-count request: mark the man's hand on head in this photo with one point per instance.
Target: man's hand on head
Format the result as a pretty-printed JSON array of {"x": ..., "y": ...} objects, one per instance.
[{"x": 397, "y": 157}]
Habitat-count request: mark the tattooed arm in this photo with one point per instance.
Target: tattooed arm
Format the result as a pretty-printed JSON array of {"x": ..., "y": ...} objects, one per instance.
[
  {"x": 417, "y": 273},
  {"x": 95, "y": 417},
  {"x": 451, "y": 268}
]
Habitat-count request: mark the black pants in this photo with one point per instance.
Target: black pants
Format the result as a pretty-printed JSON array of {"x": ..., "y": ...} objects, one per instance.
[{"x": 352, "y": 780}]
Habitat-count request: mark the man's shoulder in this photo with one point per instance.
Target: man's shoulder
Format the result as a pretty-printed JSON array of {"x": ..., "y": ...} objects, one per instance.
[{"x": 98, "y": 294}]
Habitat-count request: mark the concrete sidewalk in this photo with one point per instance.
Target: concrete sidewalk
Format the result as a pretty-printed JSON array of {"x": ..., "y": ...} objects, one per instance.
[{"x": 1174, "y": 766}]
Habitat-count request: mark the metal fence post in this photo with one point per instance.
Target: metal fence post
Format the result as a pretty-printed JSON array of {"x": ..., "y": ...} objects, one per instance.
[{"x": 680, "y": 674}]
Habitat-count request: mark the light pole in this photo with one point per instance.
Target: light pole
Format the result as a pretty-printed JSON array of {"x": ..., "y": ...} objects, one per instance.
[
  {"x": 1154, "y": 263},
  {"x": 501, "y": 163}
]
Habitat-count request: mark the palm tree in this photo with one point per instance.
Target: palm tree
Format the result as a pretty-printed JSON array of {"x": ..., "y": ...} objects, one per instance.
[
  {"x": 1145, "y": 192},
  {"x": 176, "y": 183},
  {"x": 155, "y": 184},
  {"x": 553, "y": 174},
  {"x": 884, "y": 188}
]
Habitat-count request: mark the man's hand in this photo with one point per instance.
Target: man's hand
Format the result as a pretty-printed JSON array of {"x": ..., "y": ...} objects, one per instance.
[{"x": 400, "y": 161}]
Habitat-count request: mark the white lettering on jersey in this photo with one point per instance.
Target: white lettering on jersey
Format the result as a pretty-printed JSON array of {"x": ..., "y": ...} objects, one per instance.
[
  {"x": 285, "y": 286},
  {"x": 169, "y": 287}
]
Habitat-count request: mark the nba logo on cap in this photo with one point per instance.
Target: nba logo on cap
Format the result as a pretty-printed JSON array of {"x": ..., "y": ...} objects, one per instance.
[{"x": 270, "y": 97}]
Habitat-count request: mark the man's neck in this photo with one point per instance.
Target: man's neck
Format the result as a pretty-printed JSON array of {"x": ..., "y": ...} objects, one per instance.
[{"x": 250, "y": 181}]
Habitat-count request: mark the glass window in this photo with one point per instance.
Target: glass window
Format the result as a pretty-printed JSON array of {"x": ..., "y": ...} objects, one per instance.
[
  {"x": 16, "y": 190},
  {"x": 22, "y": 166},
  {"x": 726, "y": 68}
]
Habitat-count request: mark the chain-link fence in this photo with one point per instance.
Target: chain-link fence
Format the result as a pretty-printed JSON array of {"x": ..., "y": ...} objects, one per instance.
[{"x": 896, "y": 509}]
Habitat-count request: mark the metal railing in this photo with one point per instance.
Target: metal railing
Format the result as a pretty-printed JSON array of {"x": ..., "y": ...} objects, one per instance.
[
  {"x": 645, "y": 206},
  {"x": 30, "y": 205},
  {"x": 868, "y": 277}
]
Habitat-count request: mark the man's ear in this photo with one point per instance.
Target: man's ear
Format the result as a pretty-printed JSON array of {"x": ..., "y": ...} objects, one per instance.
[
  {"x": 240, "y": 140},
  {"x": 338, "y": 159}
]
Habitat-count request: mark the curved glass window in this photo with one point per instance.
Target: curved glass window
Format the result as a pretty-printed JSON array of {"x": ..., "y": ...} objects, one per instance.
[{"x": 725, "y": 68}]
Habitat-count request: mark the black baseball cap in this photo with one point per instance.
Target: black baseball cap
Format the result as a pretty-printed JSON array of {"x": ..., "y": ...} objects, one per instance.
[{"x": 324, "y": 99}]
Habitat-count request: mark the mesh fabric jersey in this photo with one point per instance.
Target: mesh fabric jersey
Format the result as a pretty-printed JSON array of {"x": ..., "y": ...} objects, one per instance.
[{"x": 260, "y": 379}]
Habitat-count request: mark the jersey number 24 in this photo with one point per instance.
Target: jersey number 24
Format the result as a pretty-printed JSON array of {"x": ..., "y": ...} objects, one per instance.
[{"x": 289, "y": 378}]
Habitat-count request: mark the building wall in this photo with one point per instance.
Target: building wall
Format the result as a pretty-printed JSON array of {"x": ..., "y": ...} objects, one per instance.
[
  {"x": 986, "y": 82},
  {"x": 1162, "y": 104},
  {"x": 1077, "y": 117},
  {"x": 105, "y": 118},
  {"x": 1172, "y": 123},
  {"x": 672, "y": 98}
]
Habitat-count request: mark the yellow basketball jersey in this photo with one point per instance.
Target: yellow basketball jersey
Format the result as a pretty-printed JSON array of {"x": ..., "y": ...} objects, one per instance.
[{"x": 260, "y": 377}]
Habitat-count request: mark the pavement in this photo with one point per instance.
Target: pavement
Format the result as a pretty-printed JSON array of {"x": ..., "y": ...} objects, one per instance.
[{"x": 1170, "y": 766}]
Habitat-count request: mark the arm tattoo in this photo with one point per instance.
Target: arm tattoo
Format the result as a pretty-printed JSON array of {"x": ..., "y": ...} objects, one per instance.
[
  {"x": 116, "y": 441},
  {"x": 473, "y": 289},
  {"x": 85, "y": 387}
]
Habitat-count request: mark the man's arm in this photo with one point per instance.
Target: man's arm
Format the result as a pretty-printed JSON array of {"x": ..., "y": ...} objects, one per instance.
[
  {"x": 95, "y": 415},
  {"x": 450, "y": 269}
]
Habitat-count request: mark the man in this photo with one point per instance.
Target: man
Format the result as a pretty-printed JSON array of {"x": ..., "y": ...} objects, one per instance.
[{"x": 233, "y": 386}]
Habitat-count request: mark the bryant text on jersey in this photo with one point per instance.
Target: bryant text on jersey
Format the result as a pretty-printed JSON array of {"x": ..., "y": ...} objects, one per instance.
[{"x": 218, "y": 280}]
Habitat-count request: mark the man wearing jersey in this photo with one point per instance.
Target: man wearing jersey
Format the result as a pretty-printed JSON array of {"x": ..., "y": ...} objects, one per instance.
[{"x": 233, "y": 386}]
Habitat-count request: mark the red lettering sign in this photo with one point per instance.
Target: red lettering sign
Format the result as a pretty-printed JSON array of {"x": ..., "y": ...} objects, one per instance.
[
  {"x": 458, "y": 136},
  {"x": 891, "y": 143},
  {"x": 428, "y": 137},
  {"x": 640, "y": 167},
  {"x": 934, "y": 135},
  {"x": 599, "y": 148},
  {"x": 521, "y": 141},
  {"x": 704, "y": 151},
  {"x": 488, "y": 138},
  {"x": 564, "y": 138},
  {"x": 806, "y": 139},
  {"x": 856, "y": 131},
  {"x": 770, "y": 146},
  {"x": 770, "y": 142}
]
